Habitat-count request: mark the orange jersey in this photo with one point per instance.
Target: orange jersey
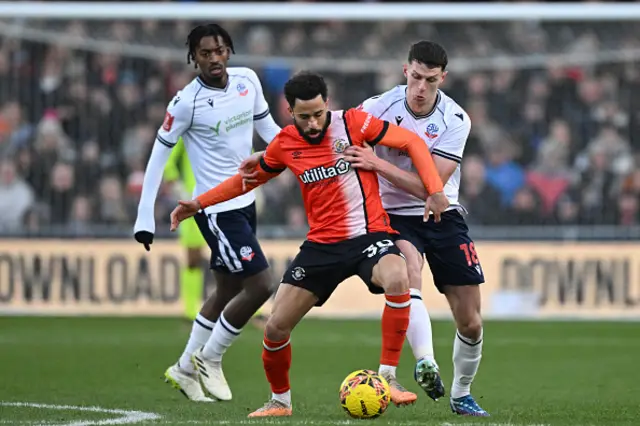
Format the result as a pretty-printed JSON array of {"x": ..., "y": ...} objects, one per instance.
[{"x": 341, "y": 202}]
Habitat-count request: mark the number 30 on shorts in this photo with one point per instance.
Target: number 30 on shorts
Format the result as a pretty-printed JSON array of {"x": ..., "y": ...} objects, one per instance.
[{"x": 379, "y": 247}]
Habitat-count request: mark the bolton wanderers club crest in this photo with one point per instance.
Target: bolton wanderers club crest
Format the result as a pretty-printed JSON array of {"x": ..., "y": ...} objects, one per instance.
[
  {"x": 340, "y": 145},
  {"x": 247, "y": 253},
  {"x": 432, "y": 131},
  {"x": 242, "y": 89}
]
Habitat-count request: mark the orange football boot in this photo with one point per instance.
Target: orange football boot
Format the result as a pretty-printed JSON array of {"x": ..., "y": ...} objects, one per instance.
[
  {"x": 272, "y": 408},
  {"x": 400, "y": 395}
]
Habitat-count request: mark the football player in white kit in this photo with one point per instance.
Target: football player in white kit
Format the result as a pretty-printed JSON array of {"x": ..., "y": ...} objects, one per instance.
[
  {"x": 215, "y": 115},
  {"x": 423, "y": 108}
]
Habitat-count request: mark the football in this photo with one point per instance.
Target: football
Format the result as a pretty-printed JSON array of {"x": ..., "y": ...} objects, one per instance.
[{"x": 364, "y": 394}]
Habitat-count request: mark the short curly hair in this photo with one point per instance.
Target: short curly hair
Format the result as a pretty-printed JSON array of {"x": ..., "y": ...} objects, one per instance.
[{"x": 305, "y": 86}]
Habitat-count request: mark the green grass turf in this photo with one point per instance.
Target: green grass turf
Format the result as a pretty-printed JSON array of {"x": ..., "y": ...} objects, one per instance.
[{"x": 558, "y": 373}]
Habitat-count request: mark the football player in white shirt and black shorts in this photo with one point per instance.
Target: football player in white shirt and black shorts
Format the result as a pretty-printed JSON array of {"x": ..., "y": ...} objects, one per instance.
[
  {"x": 422, "y": 107},
  {"x": 215, "y": 115}
]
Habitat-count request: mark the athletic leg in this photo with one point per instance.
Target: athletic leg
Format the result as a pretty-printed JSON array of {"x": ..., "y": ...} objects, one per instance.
[
  {"x": 457, "y": 274},
  {"x": 237, "y": 252},
  {"x": 465, "y": 302},
  {"x": 192, "y": 275},
  {"x": 251, "y": 293},
  {"x": 310, "y": 280},
  {"x": 183, "y": 375},
  {"x": 290, "y": 306},
  {"x": 419, "y": 334},
  {"x": 389, "y": 273}
]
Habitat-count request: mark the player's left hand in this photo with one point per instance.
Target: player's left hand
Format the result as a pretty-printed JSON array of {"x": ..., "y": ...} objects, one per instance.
[
  {"x": 361, "y": 157},
  {"x": 145, "y": 238},
  {"x": 185, "y": 210}
]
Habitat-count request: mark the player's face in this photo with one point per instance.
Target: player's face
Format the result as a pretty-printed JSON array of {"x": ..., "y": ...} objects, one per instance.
[
  {"x": 212, "y": 55},
  {"x": 310, "y": 116},
  {"x": 422, "y": 84}
]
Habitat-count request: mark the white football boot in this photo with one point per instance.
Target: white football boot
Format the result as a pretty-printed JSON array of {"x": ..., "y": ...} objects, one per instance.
[
  {"x": 211, "y": 376},
  {"x": 186, "y": 383}
]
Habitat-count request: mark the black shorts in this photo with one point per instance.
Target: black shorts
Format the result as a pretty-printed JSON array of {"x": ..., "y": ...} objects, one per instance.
[
  {"x": 449, "y": 250},
  {"x": 231, "y": 236},
  {"x": 320, "y": 268}
]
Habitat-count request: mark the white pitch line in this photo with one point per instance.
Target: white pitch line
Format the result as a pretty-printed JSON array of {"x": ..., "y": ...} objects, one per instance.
[{"x": 125, "y": 416}]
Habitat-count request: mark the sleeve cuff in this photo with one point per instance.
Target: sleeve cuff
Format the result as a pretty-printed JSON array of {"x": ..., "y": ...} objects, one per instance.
[
  {"x": 267, "y": 168},
  {"x": 385, "y": 127},
  {"x": 447, "y": 155},
  {"x": 165, "y": 142},
  {"x": 261, "y": 115}
]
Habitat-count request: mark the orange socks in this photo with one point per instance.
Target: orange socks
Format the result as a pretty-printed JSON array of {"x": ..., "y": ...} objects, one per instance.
[
  {"x": 395, "y": 321},
  {"x": 276, "y": 358}
]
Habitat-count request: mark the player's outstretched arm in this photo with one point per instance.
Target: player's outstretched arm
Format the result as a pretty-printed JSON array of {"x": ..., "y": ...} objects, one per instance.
[
  {"x": 248, "y": 167},
  {"x": 232, "y": 188},
  {"x": 363, "y": 157},
  {"x": 405, "y": 140},
  {"x": 399, "y": 138},
  {"x": 227, "y": 190},
  {"x": 269, "y": 166}
]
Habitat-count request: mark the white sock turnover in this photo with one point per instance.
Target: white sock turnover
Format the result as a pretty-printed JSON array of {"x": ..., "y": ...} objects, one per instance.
[
  {"x": 284, "y": 398},
  {"x": 387, "y": 370},
  {"x": 224, "y": 334},
  {"x": 419, "y": 333}
]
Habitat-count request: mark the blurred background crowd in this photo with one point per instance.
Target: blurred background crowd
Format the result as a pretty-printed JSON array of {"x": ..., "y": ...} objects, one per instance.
[{"x": 555, "y": 114}]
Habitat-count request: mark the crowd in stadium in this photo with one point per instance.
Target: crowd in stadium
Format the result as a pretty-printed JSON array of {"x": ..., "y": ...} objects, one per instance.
[{"x": 550, "y": 144}]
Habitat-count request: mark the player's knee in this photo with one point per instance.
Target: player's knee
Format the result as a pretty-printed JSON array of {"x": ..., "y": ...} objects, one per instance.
[
  {"x": 470, "y": 326},
  {"x": 275, "y": 330},
  {"x": 395, "y": 278}
]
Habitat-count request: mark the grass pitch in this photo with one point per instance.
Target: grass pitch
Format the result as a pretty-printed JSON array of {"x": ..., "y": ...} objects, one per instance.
[{"x": 101, "y": 371}]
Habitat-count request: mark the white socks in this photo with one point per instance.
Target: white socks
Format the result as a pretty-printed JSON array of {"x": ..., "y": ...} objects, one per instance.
[
  {"x": 466, "y": 359},
  {"x": 284, "y": 398},
  {"x": 216, "y": 337},
  {"x": 224, "y": 334},
  {"x": 387, "y": 370},
  {"x": 419, "y": 332},
  {"x": 200, "y": 333}
]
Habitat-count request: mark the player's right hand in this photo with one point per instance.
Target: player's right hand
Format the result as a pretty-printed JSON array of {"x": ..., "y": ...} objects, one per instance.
[
  {"x": 248, "y": 170},
  {"x": 145, "y": 238},
  {"x": 185, "y": 210},
  {"x": 436, "y": 203}
]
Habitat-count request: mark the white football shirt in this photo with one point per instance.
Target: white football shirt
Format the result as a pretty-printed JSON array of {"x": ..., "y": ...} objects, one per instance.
[
  {"x": 445, "y": 130},
  {"x": 216, "y": 126}
]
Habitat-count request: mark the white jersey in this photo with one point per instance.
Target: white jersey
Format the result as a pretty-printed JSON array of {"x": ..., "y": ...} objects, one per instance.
[
  {"x": 216, "y": 126},
  {"x": 445, "y": 131}
]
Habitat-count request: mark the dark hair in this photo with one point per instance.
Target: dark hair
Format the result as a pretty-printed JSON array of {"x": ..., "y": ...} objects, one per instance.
[
  {"x": 305, "y": 86},
  {"x": 209, "y": 30},
  {"x": 429, "y": 53}
]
